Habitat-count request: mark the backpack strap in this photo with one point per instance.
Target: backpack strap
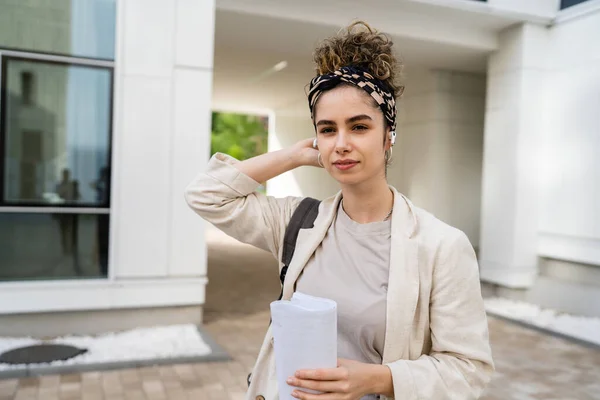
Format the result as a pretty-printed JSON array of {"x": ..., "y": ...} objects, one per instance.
[{"x": 303, "y": 218}]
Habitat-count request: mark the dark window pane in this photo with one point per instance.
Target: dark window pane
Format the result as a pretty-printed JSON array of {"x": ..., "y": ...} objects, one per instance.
[
  {"x": 27, "y": 88},
  {"x": 569, "y": 3},
  {"x": 84, "y": 28},
  {"x": 55, "y": 134},
  {"x": 53, "y": 246}
]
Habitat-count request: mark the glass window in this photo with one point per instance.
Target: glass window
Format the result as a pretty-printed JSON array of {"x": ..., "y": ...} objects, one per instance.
[
  {"x": 55, "y": 141},
  {"x": 82, "y": 28},
  {"x": 53, "y": 246},
  {"x": 568, "y": 3},
  {"x": 55, "y": 137}
]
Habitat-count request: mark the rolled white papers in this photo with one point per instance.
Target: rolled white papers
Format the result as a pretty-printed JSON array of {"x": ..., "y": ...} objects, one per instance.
[{"x": 305, "y": 337}]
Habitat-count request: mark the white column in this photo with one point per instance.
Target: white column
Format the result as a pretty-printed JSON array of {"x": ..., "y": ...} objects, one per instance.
[
  {"x": 190, "y": 146},
  {"x": 513, "y": 127},
  {"x": 161, "y": 139}
]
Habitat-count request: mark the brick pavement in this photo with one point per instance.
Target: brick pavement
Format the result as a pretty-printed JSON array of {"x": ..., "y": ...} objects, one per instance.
[{"x": 530, "y": 365}]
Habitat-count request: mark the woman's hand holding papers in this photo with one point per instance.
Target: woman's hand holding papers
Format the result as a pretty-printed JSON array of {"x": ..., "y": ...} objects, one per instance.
[{"x": 351, "y": 380}]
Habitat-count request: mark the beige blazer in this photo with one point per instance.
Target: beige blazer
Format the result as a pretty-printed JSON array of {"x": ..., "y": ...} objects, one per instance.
[{"x": 436, "y": 339}]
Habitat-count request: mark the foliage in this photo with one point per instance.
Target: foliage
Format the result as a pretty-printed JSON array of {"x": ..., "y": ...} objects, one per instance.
[{"x": 241, "y": 136}]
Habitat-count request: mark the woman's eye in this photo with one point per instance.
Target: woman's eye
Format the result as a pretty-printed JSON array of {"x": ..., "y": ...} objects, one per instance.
[
  {"x": 360, "y": 127},
  {"x": 327, "y": 130}
]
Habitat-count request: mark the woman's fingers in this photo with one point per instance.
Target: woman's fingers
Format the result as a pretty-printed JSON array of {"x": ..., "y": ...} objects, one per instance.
[
  {"x": 306, "y": 143},
  {"x": 323, "y": 374},
  {"x": 321, "y": 386}
]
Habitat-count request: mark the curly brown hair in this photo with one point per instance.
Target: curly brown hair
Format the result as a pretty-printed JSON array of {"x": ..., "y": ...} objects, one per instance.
[{"x": 362, "y": 46}]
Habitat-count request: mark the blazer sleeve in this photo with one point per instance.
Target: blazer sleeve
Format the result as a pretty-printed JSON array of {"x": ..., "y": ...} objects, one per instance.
[
  {"x": 227, "y": 198},
  {"x": 460, "y": 363}
]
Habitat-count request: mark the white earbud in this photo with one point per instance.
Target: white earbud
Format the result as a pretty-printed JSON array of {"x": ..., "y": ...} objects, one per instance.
[
  {"x": 393, "y": 137},
  {"x": 315, "y": 143}
]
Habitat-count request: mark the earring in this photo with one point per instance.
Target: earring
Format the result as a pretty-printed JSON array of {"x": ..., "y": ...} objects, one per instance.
[
  {"x": 315, "y": 143},
  {"x": 393, "y": 137},
  {"x": 388, "y": 156},
  {"x": 320, "y": 161}
]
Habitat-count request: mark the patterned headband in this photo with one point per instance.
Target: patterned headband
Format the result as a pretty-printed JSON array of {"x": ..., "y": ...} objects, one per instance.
[{"x": 361, "y": 78}]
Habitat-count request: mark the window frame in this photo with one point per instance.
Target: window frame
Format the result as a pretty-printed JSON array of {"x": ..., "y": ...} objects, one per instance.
[
  {"x": 54, "y": 54},
  {"x": 19, "y": 206}
]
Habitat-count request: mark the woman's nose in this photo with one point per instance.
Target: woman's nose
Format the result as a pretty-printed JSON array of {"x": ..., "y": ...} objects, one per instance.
[{"x": 342, "y": 144}]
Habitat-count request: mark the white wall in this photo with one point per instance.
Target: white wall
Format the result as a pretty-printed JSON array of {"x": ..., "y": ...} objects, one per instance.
[
  {"x": 570, "y": 180},
  {"x": 538, "y": 8},
  {"x": 542, "y": 141},
  {"x": 437, "y": 162}
]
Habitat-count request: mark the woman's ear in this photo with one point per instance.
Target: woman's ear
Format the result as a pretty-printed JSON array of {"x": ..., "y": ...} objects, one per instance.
[{"x": 389, "y": 139}]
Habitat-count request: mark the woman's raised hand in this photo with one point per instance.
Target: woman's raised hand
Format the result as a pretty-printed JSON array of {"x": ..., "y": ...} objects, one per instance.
[{"x": 305, "y": 153}]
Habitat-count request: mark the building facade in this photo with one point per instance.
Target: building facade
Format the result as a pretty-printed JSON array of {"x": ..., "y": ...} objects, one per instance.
[{"x": 105, "y": 117}]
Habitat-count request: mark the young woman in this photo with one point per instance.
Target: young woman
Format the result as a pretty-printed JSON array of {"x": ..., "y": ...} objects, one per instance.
[{"x": 411, "y": 320}]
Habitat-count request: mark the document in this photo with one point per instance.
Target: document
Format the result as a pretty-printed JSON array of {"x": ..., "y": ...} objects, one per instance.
[{"x": 305, "y": 337}]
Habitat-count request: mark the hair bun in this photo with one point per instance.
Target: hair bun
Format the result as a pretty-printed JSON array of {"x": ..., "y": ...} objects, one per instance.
[{"x": 361, "y": 46}]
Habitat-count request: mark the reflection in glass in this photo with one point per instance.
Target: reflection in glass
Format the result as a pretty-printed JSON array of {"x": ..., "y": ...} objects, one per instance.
[
  {"x": 568, "y": 3},
  {"x": 53, "y": 246},
  {"x": 56, "y": 134},
  {"x": 83, "y": 28}
]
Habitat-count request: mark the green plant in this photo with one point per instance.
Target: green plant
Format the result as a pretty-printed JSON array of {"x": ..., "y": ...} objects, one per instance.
[{"x": 241, "y": 136}]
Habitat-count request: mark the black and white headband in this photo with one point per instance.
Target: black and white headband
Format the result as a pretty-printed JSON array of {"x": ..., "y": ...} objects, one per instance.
[{"x": 378, "y": 90}]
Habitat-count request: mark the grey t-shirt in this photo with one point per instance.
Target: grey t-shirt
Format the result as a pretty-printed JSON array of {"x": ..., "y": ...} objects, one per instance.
[{"x": 351, "y": 266}]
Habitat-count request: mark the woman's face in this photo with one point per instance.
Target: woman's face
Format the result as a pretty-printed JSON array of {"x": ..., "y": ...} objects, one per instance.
[{"x": 350, "y": 134}]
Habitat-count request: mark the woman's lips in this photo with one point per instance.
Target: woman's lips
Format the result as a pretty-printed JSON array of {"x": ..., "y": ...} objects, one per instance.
[{"x": 346, "y": 165}]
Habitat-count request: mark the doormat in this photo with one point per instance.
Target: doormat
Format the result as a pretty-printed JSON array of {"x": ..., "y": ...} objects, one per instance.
[{"x": 40, "y": 353}]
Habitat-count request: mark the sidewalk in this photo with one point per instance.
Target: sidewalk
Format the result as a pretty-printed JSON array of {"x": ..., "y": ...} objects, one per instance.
[{"x": 529, "y": 365}]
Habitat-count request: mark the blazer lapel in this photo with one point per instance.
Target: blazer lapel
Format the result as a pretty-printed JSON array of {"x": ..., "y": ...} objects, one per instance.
[
  {"x": 308, "y": 241},
  {"x": 403, "y": 285}
]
